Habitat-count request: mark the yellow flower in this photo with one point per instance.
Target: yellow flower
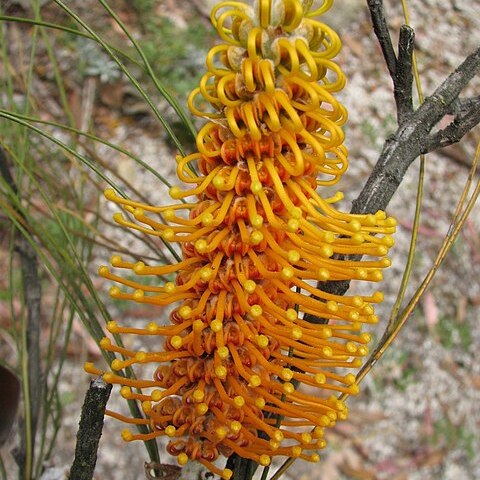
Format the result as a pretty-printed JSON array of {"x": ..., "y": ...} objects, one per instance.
[{"x": 241, "y": 371}]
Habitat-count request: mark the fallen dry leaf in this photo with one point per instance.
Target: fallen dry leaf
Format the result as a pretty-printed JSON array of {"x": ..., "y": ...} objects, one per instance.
[
  {"x": 358, "y": 474},
  {"x": 430, "y": 310},
  {"x": 9, "y": 399},
  {"x": 475, "y": 381}
]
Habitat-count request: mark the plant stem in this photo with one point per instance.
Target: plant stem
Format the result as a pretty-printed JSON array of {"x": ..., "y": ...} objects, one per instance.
[{"x": 90, "y": 430}]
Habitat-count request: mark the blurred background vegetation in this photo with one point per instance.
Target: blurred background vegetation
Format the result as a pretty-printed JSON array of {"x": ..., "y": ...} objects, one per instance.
[{"x": 73, "y": 120}]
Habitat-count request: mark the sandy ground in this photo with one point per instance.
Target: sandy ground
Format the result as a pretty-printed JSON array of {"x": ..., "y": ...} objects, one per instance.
[{"x": 417, "y": 416}]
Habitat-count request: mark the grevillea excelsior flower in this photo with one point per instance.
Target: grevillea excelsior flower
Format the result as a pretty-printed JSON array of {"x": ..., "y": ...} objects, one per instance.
[{"x": 240, "y": 370}]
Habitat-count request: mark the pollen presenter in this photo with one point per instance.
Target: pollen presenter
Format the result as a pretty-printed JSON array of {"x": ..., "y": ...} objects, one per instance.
[{"x": 238, "y": 369}]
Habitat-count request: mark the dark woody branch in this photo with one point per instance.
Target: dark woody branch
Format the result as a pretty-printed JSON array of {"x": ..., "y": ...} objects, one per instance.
[
  {"x": 32, "y": 296},
  {"x": 414, "y": 136},
  {"x": 90, "y": 430},
  {"x": 466, "y": 116},
  {"x": 403, "y": 76},
  {"x": 463, "y": 105},
  {"x": 399, "y": 67},
  {"x": 380, "y": 28}
]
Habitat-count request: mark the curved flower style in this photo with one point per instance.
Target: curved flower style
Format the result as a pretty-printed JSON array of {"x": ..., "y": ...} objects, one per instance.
[{"x": 241, "y": 371}]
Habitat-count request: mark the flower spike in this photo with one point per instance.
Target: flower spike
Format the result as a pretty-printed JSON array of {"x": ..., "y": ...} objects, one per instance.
[{"x": 241, "y": 371}]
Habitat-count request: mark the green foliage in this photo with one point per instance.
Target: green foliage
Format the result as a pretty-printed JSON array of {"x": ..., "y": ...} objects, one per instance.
[
  {"x": 408, "y": 372},
  {"x": 453, "y": 334},
  {"x": 374, "y": 132},
  {"x": 176, "y": 54},
  {"x": 72, "y": 225},
  {"x": 55, "y": 220},
  {"x": 93, "y": 61},
  {"x": 454, "y": 436},
  {"x": 5, "y": 295},
  {"x": 398, "y": 368}
]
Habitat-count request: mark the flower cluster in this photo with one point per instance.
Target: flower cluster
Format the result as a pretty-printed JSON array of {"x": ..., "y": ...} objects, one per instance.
[{"x": 241, "y": 371}]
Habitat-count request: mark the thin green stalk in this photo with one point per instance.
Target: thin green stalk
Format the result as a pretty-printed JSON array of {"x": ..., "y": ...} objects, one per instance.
[
  {"x": 57, "y": 75},
  {"x": 283, "y": 468},
  {"x": 56, "y": 424},
  {"x": 47, "y": 405},
  {"x": 416, "y": 74},
  {"x": 30, "y": 352},
  {"x": 19, "y": 338},
  {"x": 3, "y": 471},
  {"x": 82, "y": 158},
  {"x": 91, "y": 326},
  {"x": 48, "y": 401},
  {"x": 411, "y": 251},
  {"x": 5, "y": 62},
  {"x": 17, "y": 119},
  {"x": 418, "y": 205},
  {"x": 122, "y": 67},
  {"x": 452, "y": 234},
  {"x": 24, "y": 367},
  {"x": 164, "y": 92},
  {"x": 55, "y": 26},
  {"x": 13, "y": 287}
]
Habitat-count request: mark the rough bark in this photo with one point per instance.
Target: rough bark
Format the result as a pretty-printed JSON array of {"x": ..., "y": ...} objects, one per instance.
[{"x": 90, "y": 430}]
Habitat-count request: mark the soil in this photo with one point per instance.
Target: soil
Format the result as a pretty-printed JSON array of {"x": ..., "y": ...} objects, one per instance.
[{"x": 417, "y": 416}]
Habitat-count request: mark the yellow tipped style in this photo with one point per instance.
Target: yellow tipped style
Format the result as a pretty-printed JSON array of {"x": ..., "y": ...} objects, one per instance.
[{"x": 241, "y": 371}]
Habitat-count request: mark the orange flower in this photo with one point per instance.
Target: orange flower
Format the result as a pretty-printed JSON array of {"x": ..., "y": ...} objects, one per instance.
[{"x": 241, "y": 371}]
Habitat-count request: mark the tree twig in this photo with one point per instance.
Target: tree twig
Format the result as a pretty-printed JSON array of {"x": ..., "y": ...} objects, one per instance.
[
  {"x": 90, "y": 430},
  {"x": 399, "y": 67},
  {"x": 466, "y": 117},
  {"x": 403, "y": 77},
  {"x": 380, "y": 28},
  {"x": 32, "y": 299},
  {"x": 412, "y": 138}
]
